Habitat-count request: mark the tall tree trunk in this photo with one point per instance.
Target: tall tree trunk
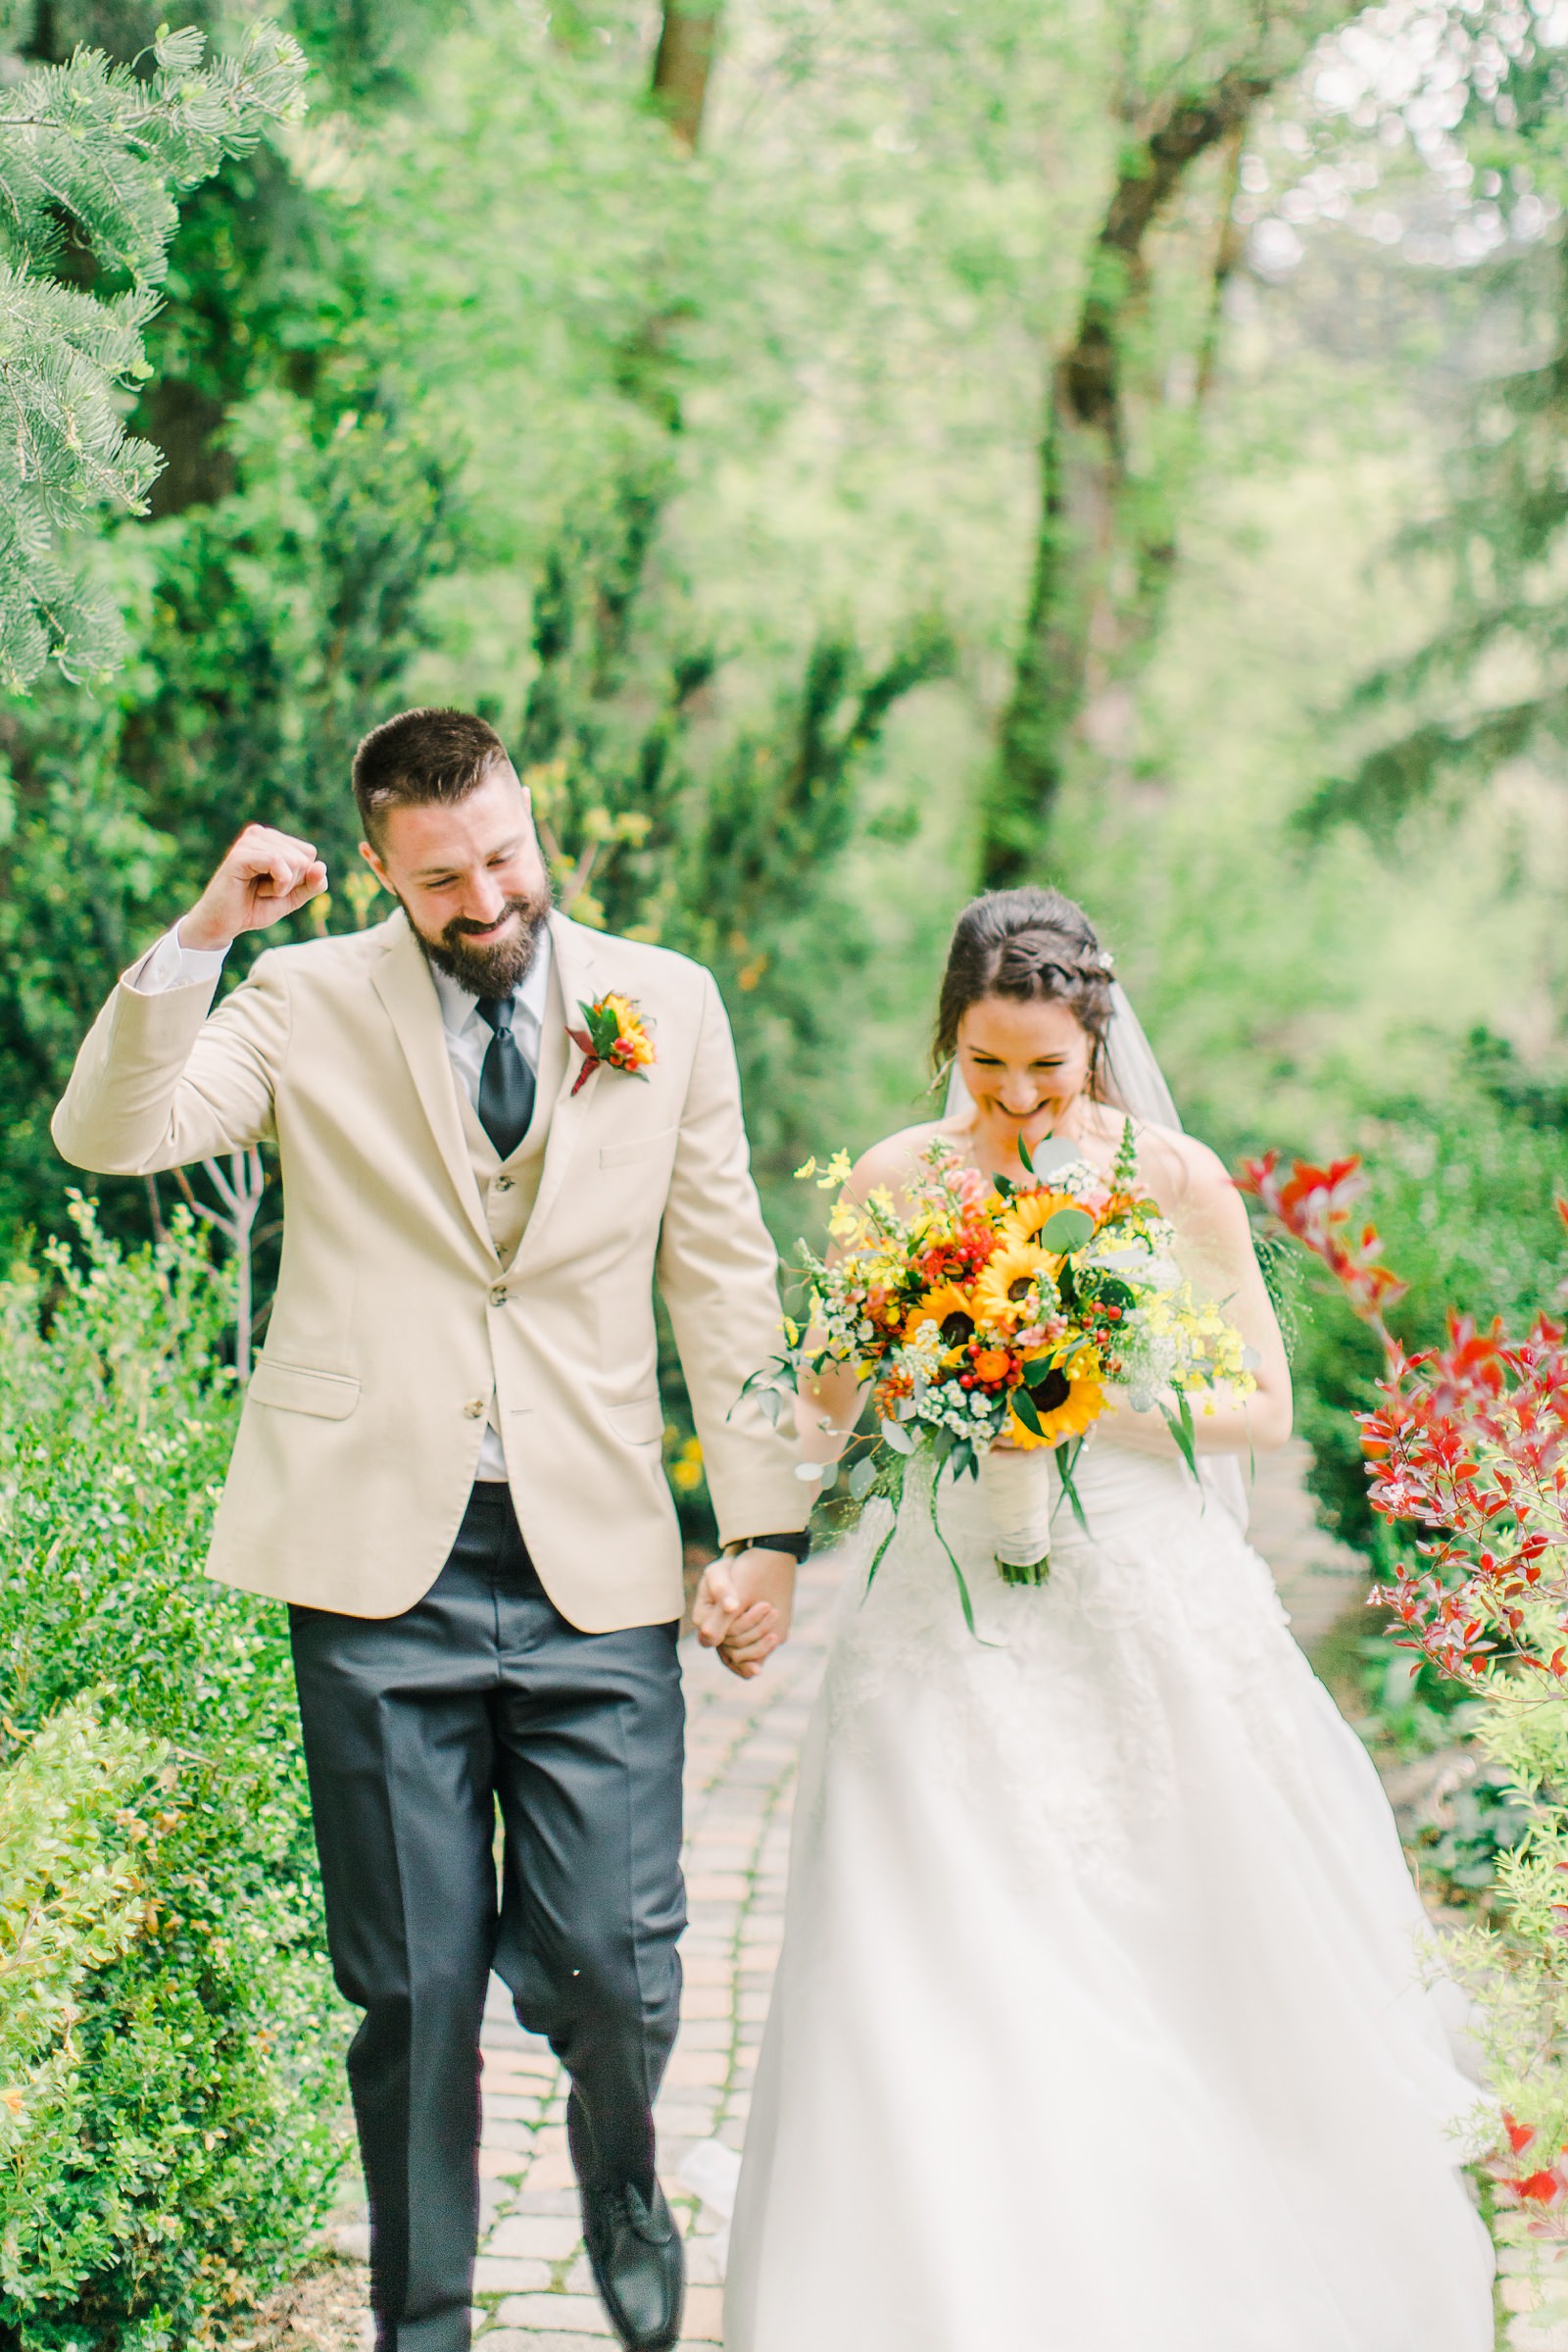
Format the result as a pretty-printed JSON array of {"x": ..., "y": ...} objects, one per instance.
[
  {"x": 1105, "y": 550},
  {"x": 682, "y": 65}
]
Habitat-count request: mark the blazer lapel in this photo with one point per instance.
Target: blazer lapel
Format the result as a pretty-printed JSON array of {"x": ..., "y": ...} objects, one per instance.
[
  {"x": 574, "y": 964},
  {"x": 402, "y": 980}
]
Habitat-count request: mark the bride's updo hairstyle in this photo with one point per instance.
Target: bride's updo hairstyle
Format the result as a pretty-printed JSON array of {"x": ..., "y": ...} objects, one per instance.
[{"x": 1035, "y": 945}]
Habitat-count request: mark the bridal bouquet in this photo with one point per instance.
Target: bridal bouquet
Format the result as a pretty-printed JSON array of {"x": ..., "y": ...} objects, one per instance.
[{"x": 992, "y": 1311}]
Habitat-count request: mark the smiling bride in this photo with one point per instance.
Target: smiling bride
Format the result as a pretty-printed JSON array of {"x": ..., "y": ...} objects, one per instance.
[{"x": 1101, "y": 2021}]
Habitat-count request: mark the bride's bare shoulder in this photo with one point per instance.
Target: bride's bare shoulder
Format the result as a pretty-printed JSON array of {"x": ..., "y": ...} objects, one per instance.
[
  {"x": 1179, "y": 1170},
  {"x": 892, "y": 1162}
]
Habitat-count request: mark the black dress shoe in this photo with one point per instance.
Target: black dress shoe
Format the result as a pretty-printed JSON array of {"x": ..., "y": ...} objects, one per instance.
[{"x": 637, "y": 2259}]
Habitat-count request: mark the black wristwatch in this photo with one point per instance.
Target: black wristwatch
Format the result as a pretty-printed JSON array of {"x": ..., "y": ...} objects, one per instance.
[{"x": 800, "y": 1544}]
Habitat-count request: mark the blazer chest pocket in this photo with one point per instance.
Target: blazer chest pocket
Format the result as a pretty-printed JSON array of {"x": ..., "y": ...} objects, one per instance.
[
  {"x": 294, "y": 1389},
  {"x": 639, "y": 1147}
]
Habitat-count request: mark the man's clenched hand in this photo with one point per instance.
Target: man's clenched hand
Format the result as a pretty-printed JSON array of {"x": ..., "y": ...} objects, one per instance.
[
  {"x": 264, "y": 876},
  {"x": 742, "y": 1607}
]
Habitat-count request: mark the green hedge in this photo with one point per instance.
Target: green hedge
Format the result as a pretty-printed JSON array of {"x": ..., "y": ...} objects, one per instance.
[{"x": 184, "y": 2148}]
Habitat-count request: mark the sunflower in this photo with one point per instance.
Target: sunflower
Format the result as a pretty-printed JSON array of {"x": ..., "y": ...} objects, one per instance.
[
  {"x": 1068, "y": 1401},
  {"x": 953, "y": 1309},
  {"x": 1016, "y": 1287},
  {"x": 1027, "y": 1212}
]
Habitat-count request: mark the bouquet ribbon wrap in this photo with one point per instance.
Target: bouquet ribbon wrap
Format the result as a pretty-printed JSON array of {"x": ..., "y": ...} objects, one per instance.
[{"x": 1017, "y": 1488}]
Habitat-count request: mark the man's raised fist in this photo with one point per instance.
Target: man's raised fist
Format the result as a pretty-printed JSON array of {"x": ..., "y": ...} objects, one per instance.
[{"x": 265, "y": 876}]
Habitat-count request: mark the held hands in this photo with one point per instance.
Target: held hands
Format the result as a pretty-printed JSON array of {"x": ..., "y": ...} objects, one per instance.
[
  {"x": 265, "y": 876},
  {"x": 742, "y": 1607}
]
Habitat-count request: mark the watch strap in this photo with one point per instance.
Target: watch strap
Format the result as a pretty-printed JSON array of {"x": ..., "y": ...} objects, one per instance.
[{"x": 798, "y": 1543}]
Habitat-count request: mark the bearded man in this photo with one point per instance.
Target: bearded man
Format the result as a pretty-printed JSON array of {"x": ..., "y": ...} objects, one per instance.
[{"x": 448, "y": 1464}]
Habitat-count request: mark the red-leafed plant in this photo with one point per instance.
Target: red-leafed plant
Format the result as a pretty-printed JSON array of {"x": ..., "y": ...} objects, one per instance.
[{"x": 1467, "y": 1464}]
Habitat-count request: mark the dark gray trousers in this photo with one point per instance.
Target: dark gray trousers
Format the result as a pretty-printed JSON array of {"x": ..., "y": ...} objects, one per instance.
[{"x": 414, "y": 1727}]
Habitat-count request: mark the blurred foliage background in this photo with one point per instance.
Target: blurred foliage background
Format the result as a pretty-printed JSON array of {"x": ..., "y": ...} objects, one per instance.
[{"x": 854, "y": 452}]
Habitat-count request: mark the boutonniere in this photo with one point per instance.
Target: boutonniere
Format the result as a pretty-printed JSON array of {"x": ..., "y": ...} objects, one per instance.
[{"x": 615, "y": 1033}]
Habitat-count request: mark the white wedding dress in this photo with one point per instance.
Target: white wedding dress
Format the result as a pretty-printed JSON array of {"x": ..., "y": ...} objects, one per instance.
[{"x": 1100, "y": 2022}]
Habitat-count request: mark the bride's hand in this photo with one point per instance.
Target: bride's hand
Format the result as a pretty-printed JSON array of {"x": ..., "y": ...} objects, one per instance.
[{"x": 742, "y": 1607}]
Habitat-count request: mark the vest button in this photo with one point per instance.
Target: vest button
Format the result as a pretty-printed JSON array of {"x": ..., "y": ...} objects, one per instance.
[
  {"x": 498, "y": 1296},
  {"x": 474, "y": 1409},
  {"x": 503, "y": 1183}
]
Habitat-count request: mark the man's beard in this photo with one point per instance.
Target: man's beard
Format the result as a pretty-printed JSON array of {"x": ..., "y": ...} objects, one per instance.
[{"x": 494, "y": 970}]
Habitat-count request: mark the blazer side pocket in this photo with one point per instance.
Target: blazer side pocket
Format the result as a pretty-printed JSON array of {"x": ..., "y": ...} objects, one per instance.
[
  {"x": 640, "y": 1423},
  {"x": 294, "y": 1389},
  {"x": 640, "y": 1147}
]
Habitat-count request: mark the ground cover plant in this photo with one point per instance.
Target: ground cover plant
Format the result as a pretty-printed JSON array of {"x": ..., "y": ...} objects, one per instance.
[{"x": 168, "y": 2037}]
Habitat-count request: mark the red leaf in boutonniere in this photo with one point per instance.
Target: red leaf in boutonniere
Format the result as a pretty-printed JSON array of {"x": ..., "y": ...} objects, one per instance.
[{"x": 616, "y": 1034}]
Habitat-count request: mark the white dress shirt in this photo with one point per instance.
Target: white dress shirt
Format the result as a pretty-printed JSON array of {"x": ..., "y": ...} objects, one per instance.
[{"x": 170, "y": 965}]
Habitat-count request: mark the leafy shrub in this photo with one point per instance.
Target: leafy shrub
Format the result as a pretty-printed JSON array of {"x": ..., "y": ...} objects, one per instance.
[
  {"x": 191, "y": 2151},
  {"x": 73, "y": 1872},
  {"x": 1403, "y": 1707},
  {"x": 1462, "y": 1813},
  {"x": 1462, "y": 1192},
  {"x": 1467, "y": 1467}
]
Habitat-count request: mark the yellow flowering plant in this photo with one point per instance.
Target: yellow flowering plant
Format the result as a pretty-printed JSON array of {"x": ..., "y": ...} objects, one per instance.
[{"x": 990, "y": 1310}]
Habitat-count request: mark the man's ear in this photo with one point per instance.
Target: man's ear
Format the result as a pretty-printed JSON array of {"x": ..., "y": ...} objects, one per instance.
[{"x": 376, "y": 868}]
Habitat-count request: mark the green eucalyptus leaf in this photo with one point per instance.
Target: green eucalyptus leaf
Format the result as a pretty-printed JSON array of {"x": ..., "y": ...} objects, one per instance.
[
  {"x": 1066, "y": 1463},
  {"x": 1067, "y": 1230},
  {"x": 1180, "y": 1424}
]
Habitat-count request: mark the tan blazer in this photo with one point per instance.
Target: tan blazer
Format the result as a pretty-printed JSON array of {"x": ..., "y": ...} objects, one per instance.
[{"x": 399, "y": 1326}]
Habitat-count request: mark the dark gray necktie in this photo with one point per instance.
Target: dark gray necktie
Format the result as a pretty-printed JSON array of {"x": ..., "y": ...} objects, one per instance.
[{"x": 506, "y": 1081}]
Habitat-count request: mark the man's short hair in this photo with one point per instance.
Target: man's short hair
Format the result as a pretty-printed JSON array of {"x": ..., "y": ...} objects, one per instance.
[{"x": 418, "y": 757}]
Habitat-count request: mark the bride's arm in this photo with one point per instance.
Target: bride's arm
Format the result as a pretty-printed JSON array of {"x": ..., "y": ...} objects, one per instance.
[
  {"x": 826, "y": 1406},
  {"x": 1217, "y": 1256}
]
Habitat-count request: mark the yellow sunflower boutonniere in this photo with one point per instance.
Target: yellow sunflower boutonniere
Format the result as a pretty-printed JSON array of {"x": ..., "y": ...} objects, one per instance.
[{"x": 615, "y": 1032}]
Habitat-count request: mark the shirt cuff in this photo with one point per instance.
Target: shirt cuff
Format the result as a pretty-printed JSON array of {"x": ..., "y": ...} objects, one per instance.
[{"x": 170, "y": 965}]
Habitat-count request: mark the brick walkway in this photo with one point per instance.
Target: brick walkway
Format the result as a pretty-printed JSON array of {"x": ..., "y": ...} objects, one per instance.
[
  {"x": 1535, "y": 2296},
  {"x": 532, "y": 2285},
  {"x": 1318, "y": 1578}
]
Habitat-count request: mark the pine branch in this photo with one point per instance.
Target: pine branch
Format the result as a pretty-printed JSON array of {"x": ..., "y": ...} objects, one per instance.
[
  {"x": 91, "y": 145},
  {"x": 94, "y": 141}
]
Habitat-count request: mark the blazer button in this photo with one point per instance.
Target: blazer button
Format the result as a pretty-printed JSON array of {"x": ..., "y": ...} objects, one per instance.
[
  {"x": 474, "y": 1409},
  {"x": 498, "y": 1296}
]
